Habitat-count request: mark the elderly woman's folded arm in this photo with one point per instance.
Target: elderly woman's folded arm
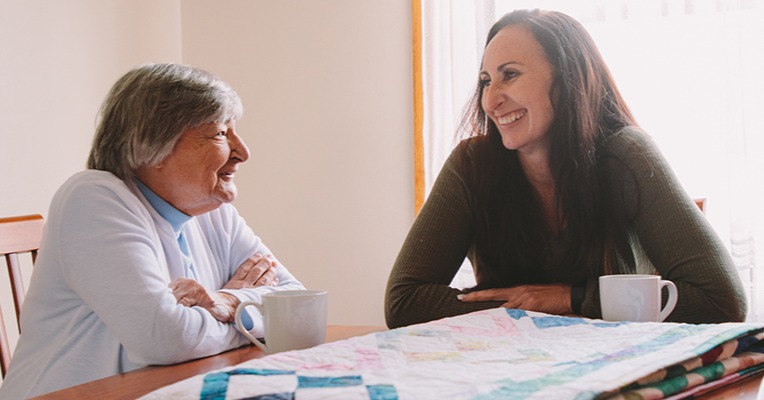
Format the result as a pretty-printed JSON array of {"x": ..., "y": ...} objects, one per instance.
[{"x": 116, "y": 271}]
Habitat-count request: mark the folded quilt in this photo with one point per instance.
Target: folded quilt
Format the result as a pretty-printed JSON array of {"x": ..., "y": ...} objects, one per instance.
[{"x": 498, "y": 354}]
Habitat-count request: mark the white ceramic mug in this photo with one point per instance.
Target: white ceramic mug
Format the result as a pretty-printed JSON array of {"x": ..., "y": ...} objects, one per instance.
[
  {"x": 293, "y": 320},
  {"x": 635, "y": 298}
]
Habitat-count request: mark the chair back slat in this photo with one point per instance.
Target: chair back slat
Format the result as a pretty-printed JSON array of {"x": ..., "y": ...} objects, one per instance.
[
  {"x": 18, "y": 235},
  {"x": 5, "y": 348},
  {"x": 17, "y": 283}
]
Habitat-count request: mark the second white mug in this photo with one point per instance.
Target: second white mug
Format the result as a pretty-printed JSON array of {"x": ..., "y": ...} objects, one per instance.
[
  {"x": 635, "y": 298},
  {"x": 293, "y": 320}
]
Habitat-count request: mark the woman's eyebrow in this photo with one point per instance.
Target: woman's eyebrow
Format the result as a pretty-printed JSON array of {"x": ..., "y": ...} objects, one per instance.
[
  {"x": 506, "y": 64},
  {"x": 501, "y": 67}
]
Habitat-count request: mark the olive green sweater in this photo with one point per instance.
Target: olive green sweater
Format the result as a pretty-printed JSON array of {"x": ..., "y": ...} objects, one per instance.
[{"x": 667, "y": 234}]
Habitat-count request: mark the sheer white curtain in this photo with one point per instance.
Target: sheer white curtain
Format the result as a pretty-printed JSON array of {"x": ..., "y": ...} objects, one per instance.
[
  {"x": 453, "y": 34},
  {"x": 692, "y": 72}
]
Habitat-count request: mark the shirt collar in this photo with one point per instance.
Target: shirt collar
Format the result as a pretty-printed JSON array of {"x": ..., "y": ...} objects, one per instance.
[{"x": 175, "y": 217}]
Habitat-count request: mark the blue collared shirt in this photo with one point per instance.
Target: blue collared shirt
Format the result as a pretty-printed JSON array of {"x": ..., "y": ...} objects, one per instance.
[{"x": 177, "y": 220}]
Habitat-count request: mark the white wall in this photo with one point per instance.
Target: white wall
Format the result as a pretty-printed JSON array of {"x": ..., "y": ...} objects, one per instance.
[
  {"x": 326, "y": 87},
  {"x": 57, "y": 60},
  {"x": 327, "y": 91}
]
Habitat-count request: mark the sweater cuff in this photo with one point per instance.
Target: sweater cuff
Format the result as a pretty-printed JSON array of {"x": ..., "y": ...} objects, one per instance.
[{"x": 576, "y": 298}]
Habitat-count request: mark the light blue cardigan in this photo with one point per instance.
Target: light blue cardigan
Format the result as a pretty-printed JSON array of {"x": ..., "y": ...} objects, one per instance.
[{"x": 99, "y": 302}]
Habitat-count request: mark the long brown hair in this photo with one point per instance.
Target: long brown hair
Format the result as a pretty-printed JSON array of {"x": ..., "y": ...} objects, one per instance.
[{"x": 511, "y": 237}]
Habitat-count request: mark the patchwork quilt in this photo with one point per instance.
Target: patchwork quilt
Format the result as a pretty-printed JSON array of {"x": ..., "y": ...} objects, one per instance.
[{"x": 498, "y": 354}]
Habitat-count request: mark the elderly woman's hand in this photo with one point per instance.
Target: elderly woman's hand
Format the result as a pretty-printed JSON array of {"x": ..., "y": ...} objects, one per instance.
[
  {"x": 189, "y": 293},
  {"x": 257, "y": 270}
]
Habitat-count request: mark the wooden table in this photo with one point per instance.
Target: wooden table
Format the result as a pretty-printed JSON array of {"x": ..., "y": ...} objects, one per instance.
[
  {"x": 145, "y": 380},
  {"x": 142, "y": 381},
  {"x": 744, "y": 390}
]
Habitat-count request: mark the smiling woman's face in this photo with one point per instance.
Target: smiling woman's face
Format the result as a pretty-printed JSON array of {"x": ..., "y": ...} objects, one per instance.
[
  {"x": 197, "y": 176},
  {"x": 516, "y": 80}
]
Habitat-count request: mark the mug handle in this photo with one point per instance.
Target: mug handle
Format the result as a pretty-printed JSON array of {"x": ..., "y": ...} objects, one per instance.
[
  {"x": 243, "y": 330},
  {"x": 673, "y": 296}
]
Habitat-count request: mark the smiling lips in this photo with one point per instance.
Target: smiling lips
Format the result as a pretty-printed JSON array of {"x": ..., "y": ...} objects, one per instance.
[
  {"x": 228, "y": 170},
  {"x": 227, "y": 174},
  {"x": 508, "y": 119}
]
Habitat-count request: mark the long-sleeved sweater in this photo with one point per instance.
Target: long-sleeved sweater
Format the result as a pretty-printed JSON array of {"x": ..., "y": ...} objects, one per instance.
[{"x": 667, "y": 234}]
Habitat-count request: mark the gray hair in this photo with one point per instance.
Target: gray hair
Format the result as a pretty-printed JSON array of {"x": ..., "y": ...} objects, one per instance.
[{"x": 148, "y": 108}]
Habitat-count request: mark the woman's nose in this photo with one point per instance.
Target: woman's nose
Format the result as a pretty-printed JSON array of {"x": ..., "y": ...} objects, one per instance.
[
  {"x": 492, "y": 99},
  {"x": 239, "y": 149}
]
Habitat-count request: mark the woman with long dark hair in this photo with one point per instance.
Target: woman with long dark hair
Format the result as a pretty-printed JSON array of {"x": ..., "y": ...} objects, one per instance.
[{"x": 554, "y": 186}]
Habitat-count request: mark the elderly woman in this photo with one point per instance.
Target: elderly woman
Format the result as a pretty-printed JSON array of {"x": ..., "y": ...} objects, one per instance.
[{"x": 144, "y": 260}]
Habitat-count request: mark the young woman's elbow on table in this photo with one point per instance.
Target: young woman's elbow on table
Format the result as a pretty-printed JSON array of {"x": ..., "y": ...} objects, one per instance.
[
  {"x": 413, "y": 303},
  {"x": 709, "y": 307},
  {"x": 730, "y": 310},
  {"x": 399, "y": 303}
]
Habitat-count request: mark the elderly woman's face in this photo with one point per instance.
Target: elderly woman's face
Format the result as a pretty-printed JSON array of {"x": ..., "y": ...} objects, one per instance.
[{"x": 197, "y": 176}]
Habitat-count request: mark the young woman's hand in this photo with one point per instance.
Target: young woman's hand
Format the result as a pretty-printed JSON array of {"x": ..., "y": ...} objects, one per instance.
[{"x": 550, "y": 299}]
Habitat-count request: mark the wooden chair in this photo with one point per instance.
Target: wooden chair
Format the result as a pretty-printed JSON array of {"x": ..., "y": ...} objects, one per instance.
[{"x": 18, "y": 235}]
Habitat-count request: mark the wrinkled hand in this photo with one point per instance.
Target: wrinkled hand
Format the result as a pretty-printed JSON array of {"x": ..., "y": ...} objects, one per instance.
[
  {"x": 551, "y": 299},
  {"x": 189, "y": 293},
  {"x": 257, "y": 270}
]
